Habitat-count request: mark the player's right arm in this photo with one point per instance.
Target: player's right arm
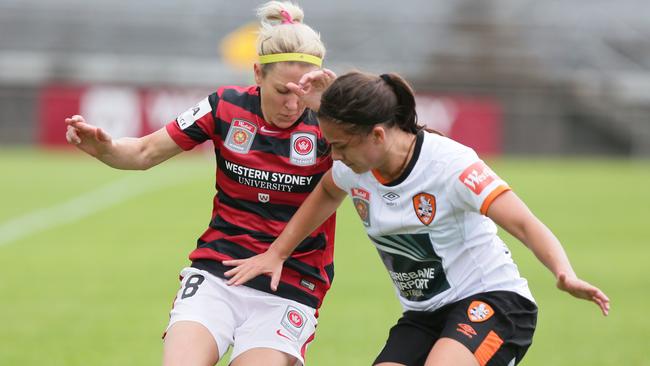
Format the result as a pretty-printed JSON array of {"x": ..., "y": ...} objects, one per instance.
[
  {"x": 319, "y": 205},
  {"x": 125, "y": 153}
]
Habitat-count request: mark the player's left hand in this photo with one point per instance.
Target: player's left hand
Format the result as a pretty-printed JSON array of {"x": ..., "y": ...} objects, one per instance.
[
  {"x": 246, "y": 269},
  {"x": 583, "y": 290},
  {"x": 311, "y": 86}
]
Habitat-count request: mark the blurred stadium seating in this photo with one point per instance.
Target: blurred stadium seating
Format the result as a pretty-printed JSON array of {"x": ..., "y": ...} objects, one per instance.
[{"x": 571, "y": 76}]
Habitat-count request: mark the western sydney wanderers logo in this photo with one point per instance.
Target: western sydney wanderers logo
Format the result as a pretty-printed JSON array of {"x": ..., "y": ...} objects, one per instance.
[
  {"x": 361, "y": 200},
  {"x": 303, "y": 148},
  {"x": 240, "y": 136},
  {"x": 293, "y": 321},
  {"x": 479, "y": 311},
  {"x": 424, "y": 205}
]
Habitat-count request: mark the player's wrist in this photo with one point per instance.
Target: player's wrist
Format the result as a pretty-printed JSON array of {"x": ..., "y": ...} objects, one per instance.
[{"x": 278, "y": 252}]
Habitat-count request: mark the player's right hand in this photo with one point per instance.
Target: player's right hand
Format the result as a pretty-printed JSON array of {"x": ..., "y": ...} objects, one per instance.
[
  {"x": 88, "y": 138},
  {"x": 268, "y": 263}
]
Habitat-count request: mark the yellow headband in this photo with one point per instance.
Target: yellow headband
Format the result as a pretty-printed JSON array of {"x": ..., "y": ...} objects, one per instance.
[{"x": 302, "y": 57}]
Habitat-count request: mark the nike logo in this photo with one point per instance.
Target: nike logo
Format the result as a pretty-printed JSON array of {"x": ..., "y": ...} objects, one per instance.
[
  {"x": 282, "y": 335},
  {"x": 266, "y": 130}
]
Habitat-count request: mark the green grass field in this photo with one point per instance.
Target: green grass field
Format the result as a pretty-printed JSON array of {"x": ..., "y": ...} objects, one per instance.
[{"x": 89, "y": 261}]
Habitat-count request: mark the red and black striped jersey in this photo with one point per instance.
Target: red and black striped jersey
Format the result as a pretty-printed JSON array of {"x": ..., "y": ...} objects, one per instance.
[{"x": 263, "y": 175}]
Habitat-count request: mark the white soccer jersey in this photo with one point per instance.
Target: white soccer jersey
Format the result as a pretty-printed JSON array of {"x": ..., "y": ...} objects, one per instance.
[{"x": 429, "y": 225}]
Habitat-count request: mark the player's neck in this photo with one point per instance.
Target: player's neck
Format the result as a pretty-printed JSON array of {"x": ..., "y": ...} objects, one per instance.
[{"x": 398, "y": 156}]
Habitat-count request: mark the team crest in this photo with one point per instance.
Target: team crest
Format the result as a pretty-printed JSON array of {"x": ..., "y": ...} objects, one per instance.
[
  {"x": 424, "y": 205},
  {"x": 479, "y": 311},
  {"x": 361, "y": 201},
  {"x": 240, "y": 136},
  {"x": 303, "y": 149},
  {"x": 293, "y": 321}
]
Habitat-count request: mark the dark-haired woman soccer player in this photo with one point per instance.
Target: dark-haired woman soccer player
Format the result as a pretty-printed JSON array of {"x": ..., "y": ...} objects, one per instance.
[
  {"x": 270, "y": 154},
  {"x": 429, "y": 206}
]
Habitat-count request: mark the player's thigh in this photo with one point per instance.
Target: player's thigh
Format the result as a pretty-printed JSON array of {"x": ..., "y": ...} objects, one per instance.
[
  {"x": 264, "y": 356},
  {"x": 275, "y": 323},
  {"x": 205, "y": 309},
  {"x": 450, "y": 352},
  {"x": 188, "y": 343},
  {"x": 495, "y": 327}
]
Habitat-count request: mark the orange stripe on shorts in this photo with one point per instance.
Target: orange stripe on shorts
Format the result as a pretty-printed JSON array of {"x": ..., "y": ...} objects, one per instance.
[{"x": 488, "y": 348}]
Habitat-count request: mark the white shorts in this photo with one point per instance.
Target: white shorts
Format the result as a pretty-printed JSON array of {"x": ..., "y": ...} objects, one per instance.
[{"x": 242, "y": 317}]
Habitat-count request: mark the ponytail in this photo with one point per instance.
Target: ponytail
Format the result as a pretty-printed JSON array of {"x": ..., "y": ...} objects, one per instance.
[{"x": 406, "y": 117}]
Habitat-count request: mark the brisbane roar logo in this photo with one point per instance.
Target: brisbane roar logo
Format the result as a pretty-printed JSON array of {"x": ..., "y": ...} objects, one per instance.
[
  {"x": 424, "y": 205},
  {"x": 478, "y": 311}
]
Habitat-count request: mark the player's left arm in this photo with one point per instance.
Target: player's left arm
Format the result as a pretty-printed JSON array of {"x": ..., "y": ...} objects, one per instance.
[{"x": 512, "y": 214}]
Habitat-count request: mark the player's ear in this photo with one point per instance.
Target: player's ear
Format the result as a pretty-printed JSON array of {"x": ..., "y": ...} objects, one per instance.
[
  {"x": 257, "y": 70},
  {"x": 378, "y": 134}
]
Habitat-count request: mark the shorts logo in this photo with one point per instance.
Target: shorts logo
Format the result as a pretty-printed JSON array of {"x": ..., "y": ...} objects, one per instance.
[
  {"x": 263, "y": 197},
  {"x": 295, "y": 318},
  {"x": 306, "y": 284},
  {"x": 361, "y": 200},
  {"x": 466, "y": 330},
  {"x": 293, "y": 321},
  {"x": 303, "y": 151},
  {"x": 479, "y": 311},
  {"x": 477, "y": 176},
  {"x": 240, "y": 136},
  {"x": 424, "y": 205}
]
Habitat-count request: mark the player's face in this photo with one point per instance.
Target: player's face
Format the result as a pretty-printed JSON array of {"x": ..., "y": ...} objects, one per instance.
[
  {"x": 360, "y": 153},
  {"x": 280, "y": 106}
]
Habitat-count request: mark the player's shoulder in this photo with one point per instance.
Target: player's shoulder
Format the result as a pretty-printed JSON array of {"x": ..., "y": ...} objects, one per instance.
[
  {"x": 444, "y": 150},
  {"x": 237, "y": 91}
]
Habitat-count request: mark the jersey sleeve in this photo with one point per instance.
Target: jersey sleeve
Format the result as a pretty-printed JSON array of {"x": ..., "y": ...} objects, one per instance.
[
  {"x": 342, "y": 176},
  {"x": 472, "y": 184},
  {"x": 195, "y": 125}
]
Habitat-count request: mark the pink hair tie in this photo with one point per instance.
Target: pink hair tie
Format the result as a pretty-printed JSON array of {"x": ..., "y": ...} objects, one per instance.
[{"x": 287, "y": 17}]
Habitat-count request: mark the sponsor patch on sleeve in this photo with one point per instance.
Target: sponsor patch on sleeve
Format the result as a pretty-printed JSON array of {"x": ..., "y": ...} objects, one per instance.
[
  {"x": 477, "y": 176},
  {"x": 187, "y": 118}
]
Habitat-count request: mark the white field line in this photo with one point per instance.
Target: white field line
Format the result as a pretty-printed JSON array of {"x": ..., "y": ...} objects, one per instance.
[{"x": 84, "y": 205}]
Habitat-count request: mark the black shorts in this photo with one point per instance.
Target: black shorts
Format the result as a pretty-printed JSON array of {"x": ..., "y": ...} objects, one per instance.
[{"x": 496, "y": 327}]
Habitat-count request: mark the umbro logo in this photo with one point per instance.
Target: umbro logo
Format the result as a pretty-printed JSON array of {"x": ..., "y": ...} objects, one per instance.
[{"x": 391, "y": 196}]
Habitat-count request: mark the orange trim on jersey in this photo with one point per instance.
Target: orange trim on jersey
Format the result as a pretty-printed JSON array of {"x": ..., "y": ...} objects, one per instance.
[
  {"x": 488, "y": 348},
  {"x": 379, "y": 178},
  {"x": 492, "y": 196}
]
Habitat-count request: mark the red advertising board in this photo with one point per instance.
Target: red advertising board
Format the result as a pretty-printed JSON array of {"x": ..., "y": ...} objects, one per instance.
[{"x": 127, "y": 111}]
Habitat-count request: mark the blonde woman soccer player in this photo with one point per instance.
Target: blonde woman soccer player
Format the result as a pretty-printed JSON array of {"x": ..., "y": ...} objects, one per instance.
[
  {"x": 429, "y": 205},
  {"x": 270, "y": 155}
]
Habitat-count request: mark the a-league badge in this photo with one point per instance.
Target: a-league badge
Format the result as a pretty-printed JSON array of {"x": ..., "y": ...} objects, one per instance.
[
  {"x": 361, "y": 200},
  {"x": 303, "y": 148},
  {"x": 240, "y": 136},
  {"x": 424, "y": 205}
]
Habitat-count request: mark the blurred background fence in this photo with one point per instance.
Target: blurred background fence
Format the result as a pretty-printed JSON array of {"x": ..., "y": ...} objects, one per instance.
[{"x": 504, "y": 76}]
